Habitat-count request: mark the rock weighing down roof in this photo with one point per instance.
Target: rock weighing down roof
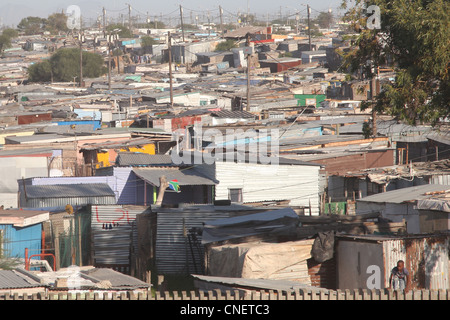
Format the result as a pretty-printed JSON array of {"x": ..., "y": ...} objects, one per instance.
[{"x": 92, "y": 278}]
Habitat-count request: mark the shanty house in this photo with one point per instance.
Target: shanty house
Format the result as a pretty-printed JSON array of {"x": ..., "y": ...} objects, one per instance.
[
  {"x": 20, "y": 230},
  {"x": 365, "y": 262},
  {"x": 18, "y": 164},
  {"x": 400, "y": 204},
  {"x": 434, "y": 212},
  {"x": 104, "y": 154},
  {"x": 37, "y": 196},
  {"x": 296, "y": 182}
]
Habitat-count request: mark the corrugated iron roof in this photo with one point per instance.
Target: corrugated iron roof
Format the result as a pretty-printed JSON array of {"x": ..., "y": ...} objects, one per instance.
[
  {"x": 118, "y": 280},
  {"x": 405, "y": 194},
  {"x": 143, "y": 159},
  {"x": 12, "y": 279},
  {"x": 132, "y": 142},
  {"x": 69, "y": 190},
  {"x": 233, "y": 114},
  {"x": 242, "y": 32},
  {"x": 187, "y": 177},
  {"x": 260, "y": 284}
]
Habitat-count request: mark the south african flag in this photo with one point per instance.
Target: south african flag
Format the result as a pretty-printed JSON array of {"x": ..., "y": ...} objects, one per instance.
[{"x": 174, "y": 185}]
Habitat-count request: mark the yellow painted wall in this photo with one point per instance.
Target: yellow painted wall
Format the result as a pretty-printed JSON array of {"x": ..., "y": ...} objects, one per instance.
[{"x": 104, "y": 159}]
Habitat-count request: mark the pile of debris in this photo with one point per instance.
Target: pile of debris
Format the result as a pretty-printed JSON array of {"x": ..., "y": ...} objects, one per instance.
[{"x": 351, "y": 224}]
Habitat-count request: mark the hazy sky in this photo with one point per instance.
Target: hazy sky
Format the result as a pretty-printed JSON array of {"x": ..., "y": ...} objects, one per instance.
[{"x": 12, "y": 11}]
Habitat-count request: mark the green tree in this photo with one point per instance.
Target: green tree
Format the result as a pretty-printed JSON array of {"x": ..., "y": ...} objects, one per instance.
[
  {"x": 11, "y": 33},
  {"x": 56, "y": 22},
  {"x": 5, "y": 42},
  {"x": 225, "y": 45},
  {"x": 147, "y": 41},
  {"x": 31, "y": 25},
  {"x": 40, "y": 72},
  {"x": 413, "y": 38},
  {"x": 188, "y": 26},
  {"x": 64, "y": 65},
  {"x": 324, "y": 19},
  {"x": 123, "y": 32}
]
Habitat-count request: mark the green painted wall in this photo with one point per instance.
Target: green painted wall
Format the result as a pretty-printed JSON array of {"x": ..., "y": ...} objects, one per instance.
[{"x": 301, "y": 98}]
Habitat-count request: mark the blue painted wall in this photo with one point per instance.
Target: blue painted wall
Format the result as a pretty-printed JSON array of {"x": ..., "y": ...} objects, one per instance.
[
  {"x": 97, "y": 123},
  {"x": 15, "y": 240}
]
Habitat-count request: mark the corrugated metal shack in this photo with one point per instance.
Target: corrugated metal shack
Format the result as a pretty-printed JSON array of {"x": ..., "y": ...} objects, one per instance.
[
  {"x": 114, "y": 235},
  {"x": 178, "y": 248},
  {"x": 20, "y": 230},
  {"x": 425, "y": 256},
  {"x": 400, "y": 204},
  {"x": 61, "y": 195},
  {"x": 230, "y": 242}
]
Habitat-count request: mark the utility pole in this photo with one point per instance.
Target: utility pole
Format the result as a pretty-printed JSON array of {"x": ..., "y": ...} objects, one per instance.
[
  {"x": 182, "y": 25},
  {"x": 129, "y": 17},
  {"x": 81, "y": 61},
  {"x": 170, "y": 67},
  {"x": 81, "y": 55},
  {"x": 209, "y": 25},
  {"x": 248, "y": 13},
  {"x": 221, "y": 19},
  {"x": 109, "y": 61},
  {"x": 248, "y": 74},
  {"x": 375, "y": 90},
  {"x": 104, "y": 21},
  {"x": 309, "y": 26}
]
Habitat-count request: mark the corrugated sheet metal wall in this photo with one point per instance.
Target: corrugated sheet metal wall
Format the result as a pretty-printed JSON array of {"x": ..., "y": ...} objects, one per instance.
[
  {"x": 114, "y": 233},
  {"x": 436, "y": 264},
  {"x": 393, "y": 251},
  {"x": 173, "y": 253},
  {"x": 300, "y": 184},
  {"x": 74, "y": 201},
  {"x": 441, "y": 179},
  {"x": 125, "y": 185},
  {"x": 121, "y": 180},
  {"x": 110, "y": 180},
  {"x": 425, "y": 258}
]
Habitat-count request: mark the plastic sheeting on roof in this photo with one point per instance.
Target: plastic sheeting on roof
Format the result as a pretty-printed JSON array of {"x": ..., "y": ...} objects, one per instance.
[
  {"x": 277, "y": 261},
  {"x": 247, "y": 225},
  {"x": 434, "y": 204}
]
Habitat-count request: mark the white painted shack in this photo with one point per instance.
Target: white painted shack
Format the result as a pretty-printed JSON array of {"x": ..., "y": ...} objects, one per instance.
[{"x": 296, "y": 182}]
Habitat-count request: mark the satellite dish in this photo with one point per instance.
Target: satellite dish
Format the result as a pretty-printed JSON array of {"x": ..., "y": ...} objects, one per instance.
[{"x": 69, "y": 209}]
